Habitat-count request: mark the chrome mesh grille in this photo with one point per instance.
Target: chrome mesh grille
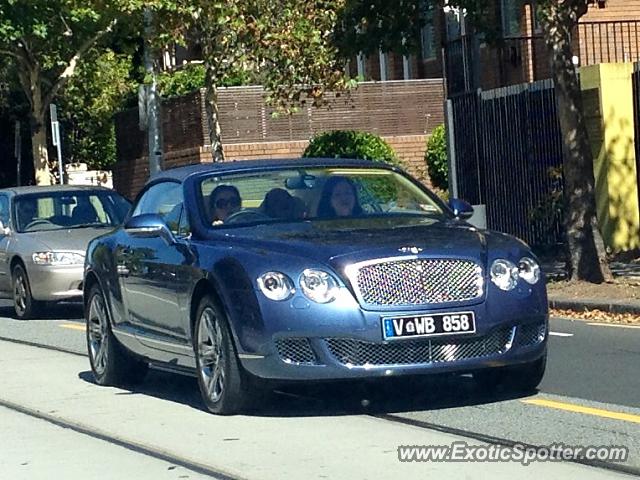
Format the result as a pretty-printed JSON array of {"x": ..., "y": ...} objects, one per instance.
[
  {"x": 532, "y": 334},
  {"x": 358, "y": 353},
  {"x": 418, "y": 282},
  {"x": 296, "y": 350}
]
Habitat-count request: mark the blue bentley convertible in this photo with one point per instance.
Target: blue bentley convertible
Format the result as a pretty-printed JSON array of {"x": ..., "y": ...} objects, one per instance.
[{"x": 306, "y": 270}]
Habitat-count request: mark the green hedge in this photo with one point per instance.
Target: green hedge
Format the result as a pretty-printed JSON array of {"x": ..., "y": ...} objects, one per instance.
[
  {"x": 436, "y": 158},
  {"x": 351, "y": 144}
]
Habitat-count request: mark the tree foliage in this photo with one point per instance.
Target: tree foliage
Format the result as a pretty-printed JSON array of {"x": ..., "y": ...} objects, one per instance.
[
  {"x": 287, "y": 45},
  {"x": 47, "y": 40},
  {"x": 100, "y": 88}
]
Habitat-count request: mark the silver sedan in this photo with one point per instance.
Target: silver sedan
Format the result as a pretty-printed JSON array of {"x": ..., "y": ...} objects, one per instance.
[{"x": 44, "y": 233}]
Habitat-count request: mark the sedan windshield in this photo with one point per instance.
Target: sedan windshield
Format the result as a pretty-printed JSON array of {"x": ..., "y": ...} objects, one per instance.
[
  {"x": 69, "y": 209},
  {"x": 345, "y": 194}
]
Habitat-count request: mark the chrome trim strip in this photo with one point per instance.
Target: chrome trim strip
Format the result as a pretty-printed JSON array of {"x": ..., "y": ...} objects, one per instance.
[{"x": 250, "y": 356}]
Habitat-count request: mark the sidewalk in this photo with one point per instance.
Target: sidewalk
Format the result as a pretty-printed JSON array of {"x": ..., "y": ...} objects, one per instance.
[{"x": 628, "y": 272}]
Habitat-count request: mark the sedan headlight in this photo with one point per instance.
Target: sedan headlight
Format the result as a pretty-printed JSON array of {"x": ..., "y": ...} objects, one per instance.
[
  {"x": 57, "y": 258},
  {"x": 318, "y": 286},
  {"x": 276, "y": 286},
  {"x": 529, "y": 270},
  {"x": 504, "y": 274}
]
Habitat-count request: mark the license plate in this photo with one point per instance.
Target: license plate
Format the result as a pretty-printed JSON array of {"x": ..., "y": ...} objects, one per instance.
[{"x": 428, "y": 325}]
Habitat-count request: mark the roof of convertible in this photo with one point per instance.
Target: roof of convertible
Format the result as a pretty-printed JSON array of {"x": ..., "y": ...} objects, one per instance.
[{"x": 180, "y": 173}]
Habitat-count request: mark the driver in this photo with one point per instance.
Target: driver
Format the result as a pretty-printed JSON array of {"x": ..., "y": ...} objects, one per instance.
[
  {"x": 27, "y": 212},
  {"x": 224, "y": 201}
]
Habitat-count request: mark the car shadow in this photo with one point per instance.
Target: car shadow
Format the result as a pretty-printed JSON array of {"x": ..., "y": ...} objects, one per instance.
[
  {"x": 334, "y": 398},
  {"x": 51, "y": 311}
]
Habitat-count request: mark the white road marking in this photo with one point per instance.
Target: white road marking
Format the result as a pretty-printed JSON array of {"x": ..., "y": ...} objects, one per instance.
[
  {"x": 560, "y": 334},
  {"x": 615, "y": 325}
]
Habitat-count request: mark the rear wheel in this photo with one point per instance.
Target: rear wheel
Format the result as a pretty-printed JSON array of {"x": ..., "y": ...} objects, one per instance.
[
  {"x": 23, "y": 303},
  {"x": 224, "y": 386},
  {"x": 111, "y": 363},
  {"x": 521, "y": 378}
]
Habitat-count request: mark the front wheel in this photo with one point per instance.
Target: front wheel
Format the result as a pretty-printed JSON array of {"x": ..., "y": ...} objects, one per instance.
[
  {"x": 23, "y": 302},
  {"x": 522, "y": 378},
  {"x": 223, "y": 384},
  {"x": 111, "y": 363}
]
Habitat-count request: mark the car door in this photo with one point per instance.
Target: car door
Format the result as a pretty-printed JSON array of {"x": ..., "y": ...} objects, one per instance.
[
  {"x": 155, "y": 275},
  {"x": 5, "y": 239}
]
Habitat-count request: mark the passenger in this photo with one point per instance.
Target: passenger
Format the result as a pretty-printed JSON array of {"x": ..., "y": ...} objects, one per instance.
[
  {"x": 278, "y": 203},
  {"x": 224, "y": 201},
  {"x": 339, "y": 198}
]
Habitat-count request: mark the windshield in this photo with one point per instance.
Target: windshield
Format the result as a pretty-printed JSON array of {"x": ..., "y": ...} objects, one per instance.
[
  {"x": 69, "y": 209},
  {"x": 345, "y": 194}
]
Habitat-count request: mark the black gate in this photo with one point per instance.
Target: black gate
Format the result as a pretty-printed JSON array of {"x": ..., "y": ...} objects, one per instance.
[
  {"x": 636, "y": 121},
  {"x": 507, "y": 144}
]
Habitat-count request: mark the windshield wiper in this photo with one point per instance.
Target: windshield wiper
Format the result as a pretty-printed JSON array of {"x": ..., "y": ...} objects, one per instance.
[{"x": 91, "y": 224}]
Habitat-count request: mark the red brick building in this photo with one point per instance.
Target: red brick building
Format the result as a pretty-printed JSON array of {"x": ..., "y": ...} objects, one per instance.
[{"x": 609, "y": 32}]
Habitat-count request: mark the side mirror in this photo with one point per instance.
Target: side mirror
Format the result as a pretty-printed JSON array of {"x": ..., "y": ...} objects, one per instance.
[
  {"x": 149, "y": 225},
  {"x": 4, "y": 231},
  {"x": 461, "y": 209}
]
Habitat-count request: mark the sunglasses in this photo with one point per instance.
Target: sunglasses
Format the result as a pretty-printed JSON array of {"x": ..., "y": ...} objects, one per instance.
[{"x": 227, "y": 202}]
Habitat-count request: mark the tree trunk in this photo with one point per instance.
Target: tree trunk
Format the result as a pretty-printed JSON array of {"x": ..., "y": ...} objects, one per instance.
[
  {"x": 39, "y": 136},
  {"x": 213, "y": 117},
  {"x": 587, "y": 258}
]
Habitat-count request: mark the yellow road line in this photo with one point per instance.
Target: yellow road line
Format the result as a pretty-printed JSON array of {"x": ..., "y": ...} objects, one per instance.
[
  {"x": 73, "y": 326},
  {"x": 612, "y": 325},
  {"x": 570, "y": 407}
]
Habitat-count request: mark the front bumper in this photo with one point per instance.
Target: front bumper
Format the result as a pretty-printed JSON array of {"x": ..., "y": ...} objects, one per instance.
[
  {"x": 50, "y": 283},
  {"x": 313, "y": 358},
  {"x": 301, "y": 340}
]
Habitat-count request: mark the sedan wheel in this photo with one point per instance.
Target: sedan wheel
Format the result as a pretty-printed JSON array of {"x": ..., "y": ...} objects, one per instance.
[
  {"x": 24, "y": 304},
  {"x": 111, "y": 363},
  {"x": 223, "y": 384}
]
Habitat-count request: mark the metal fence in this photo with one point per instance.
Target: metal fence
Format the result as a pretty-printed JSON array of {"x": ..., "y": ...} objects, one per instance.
[
  {"x": 505, "y": 144},
  {"x": 609, "y": 42}
]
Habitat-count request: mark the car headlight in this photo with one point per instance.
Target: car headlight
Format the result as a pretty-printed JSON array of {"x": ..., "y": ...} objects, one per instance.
[
  {"x": 318, "y": 286},
  {"x": 504, "y": 274},
  {"x": 529, "y": 270},
  {"x": 57, "y": 258},
  {"x": 276, "y": 286}
]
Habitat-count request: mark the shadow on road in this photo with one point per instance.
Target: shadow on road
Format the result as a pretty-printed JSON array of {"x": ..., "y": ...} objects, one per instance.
[
  {"x": 335, "y": 398},
  {"x": 51, "y": 311}
]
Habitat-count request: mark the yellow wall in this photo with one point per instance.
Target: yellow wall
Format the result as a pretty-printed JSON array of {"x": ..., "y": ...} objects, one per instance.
[{"x": 608, "y": 97}]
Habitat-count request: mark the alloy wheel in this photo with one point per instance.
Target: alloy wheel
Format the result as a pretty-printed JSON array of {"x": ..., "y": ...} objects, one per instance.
[
  {"x": 20, "y": 293},
  {"x": 211, "y": 359},
  {"x": 98, "y": 335}
]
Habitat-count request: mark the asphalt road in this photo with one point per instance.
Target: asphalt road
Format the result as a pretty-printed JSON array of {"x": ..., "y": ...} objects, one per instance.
[{"x": 590, "y": 395}]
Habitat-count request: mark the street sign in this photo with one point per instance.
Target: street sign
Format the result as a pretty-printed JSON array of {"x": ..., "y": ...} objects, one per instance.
[{"x": 55, "y": 139}]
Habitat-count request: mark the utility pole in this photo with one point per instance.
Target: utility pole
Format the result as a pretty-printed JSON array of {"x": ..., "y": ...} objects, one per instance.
[{"x": 154, "y": 129}]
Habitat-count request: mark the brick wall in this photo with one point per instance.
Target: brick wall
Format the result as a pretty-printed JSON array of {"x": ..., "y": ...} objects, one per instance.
[
  {"x": 129, "y": 177},
  {"x": 614, "y": 10}
]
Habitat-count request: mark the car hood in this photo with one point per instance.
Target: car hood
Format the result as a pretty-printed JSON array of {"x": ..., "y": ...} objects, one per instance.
[
  {"x": 68, "y": 239},
  {"x": 319, "y": 241}
]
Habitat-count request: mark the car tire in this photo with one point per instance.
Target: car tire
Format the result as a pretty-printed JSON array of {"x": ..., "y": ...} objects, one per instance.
[
  {"x": 225, "y": 387},
  {"x": 522, "y": 378},
  {"x": 23, "y": 302},
  {"x": 111, "y": 363}
]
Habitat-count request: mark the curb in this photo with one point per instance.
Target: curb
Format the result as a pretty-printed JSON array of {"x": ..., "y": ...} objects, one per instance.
[{"x": 587, "y": 305}]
